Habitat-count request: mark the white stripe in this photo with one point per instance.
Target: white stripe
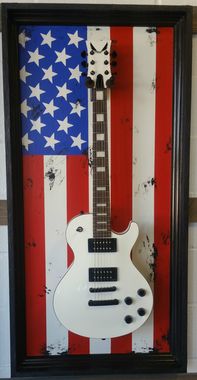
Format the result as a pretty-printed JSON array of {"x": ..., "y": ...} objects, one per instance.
[
  {"x": 101, "y": 204},
  {"x": 55, "y": 246},
  {"x": 97, "y": 346},
  {"x": 144, "y": 66}
]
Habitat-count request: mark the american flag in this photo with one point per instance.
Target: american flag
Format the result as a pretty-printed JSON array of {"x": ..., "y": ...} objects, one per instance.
[{"x": 56, "y": 137}]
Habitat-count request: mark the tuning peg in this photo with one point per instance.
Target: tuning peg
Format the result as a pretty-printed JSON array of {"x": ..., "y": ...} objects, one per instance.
[
  {"x": 89, "y": 82},
  {"x": 110, "y": 82},
  {"x": 114, "y": 54},
  {"x": 84, "y": 64},
  {"x": 106, "y": 62},
  {"x": 84, "y": 54},
  {"x": 113, "y": 63},
  {"x": 106, "y": 52}
]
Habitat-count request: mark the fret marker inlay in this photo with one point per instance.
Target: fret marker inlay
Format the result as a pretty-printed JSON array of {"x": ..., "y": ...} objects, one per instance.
[
  {"x": 100, "y": 136},
  {"x": 99, "y": 117},
  {"x": 103, "y": 188},
  {"x": 99, "y": 95},
  {"x": 100, "y": 154},
  {"x": 100, "y": 169}
]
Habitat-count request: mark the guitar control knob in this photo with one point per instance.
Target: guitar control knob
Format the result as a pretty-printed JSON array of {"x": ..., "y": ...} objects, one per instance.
[
  {"x": 141, "y": 292},
  {"x": 128, "y": 319},
  {"x": 128, "y": 300},
  {"x": 141, "y": 311}
]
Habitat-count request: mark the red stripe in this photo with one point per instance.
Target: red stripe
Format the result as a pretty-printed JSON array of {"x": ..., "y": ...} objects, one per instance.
[
  {"x": 163, "y": 136},
  {"x": 121, "y": 146},
  {"x": 77, "y": 202},
  {"x": 33, "y": 185}
]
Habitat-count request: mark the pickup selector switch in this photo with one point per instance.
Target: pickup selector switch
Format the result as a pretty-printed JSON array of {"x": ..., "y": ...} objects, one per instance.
[
  {"x": 128, "y": 300},
  {"x": 128, "y": 319}
]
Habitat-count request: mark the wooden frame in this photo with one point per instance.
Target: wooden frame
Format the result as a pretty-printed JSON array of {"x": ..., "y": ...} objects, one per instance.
[{"x": 180, "y": 18}]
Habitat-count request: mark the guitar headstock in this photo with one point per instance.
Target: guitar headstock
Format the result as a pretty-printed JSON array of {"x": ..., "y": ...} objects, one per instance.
[{"x": 99, "y": 75}]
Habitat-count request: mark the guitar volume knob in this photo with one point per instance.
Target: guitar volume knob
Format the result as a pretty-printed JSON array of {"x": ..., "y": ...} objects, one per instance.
[
  {"x": 128, "y": 319},
  {"x": 141, "y": 311},
  {"x": 141, "y": 292},
  {"x": 128, "y": 300}
]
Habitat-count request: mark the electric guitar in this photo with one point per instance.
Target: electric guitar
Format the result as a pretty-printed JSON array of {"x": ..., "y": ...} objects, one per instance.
[{"x": 102, "y": 294}]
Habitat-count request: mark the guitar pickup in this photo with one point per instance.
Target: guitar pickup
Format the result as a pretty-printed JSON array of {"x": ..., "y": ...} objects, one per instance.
[
  {"x": 103, "y": 302},
  {"x": 104, "y": 289},
  {"x": 102, "y": 245},
  {"x": 103, "y": 274}
]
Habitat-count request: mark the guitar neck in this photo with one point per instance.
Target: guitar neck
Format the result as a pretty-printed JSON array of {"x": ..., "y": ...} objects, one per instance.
[{"x": 101, "y": 196}]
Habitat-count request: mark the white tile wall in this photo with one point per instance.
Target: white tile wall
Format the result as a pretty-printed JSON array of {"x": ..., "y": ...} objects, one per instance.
[{"x": 192, "y": 283}]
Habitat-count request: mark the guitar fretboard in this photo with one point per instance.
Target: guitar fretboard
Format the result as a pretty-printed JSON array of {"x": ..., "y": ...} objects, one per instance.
[{"x": 101, "y": 197}]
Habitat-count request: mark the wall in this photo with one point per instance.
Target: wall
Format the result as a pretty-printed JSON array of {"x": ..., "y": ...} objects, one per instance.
[{"x": 192, "y": 294}]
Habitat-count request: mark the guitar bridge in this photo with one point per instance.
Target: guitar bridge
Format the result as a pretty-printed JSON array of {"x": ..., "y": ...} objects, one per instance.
[{"x": 102, "y": 245}]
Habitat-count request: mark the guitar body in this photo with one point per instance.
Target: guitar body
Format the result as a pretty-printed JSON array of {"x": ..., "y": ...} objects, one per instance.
[{"x": 72, "y": 299}]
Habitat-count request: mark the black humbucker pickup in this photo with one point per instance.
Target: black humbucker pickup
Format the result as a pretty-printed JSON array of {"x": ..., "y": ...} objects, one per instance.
[
  {"x": 102, "y": 274},
  {"x": 102, "y": 245}
]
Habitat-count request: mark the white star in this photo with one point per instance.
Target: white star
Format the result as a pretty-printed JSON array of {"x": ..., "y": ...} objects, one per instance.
[
  {"x": 75, "y": 73},
  {"x": 49, "y": 74},
  {"x": 24, "y": 74},
  {"x": 47, "y": 39},
  {"x": 51, "y": 141},
  {"x": 74, "y": 39},
  {"x": 24, "y": 107},
  {"x": 35, "y": 57},
  {"x": 64, "y": 125},
  {"x": 63, "y": 91},
  {"x": 37, "y": 125},
  {"x": 77, "y": 108},
  {"x": 36, "y": 91},
  {"x": 62, "y": 56},
  {"x": 26, "y": 142},
  {"x": 77, "y": 141},
  {"x": 22, "y": 38},
  {"x": 50, "y": 108}
]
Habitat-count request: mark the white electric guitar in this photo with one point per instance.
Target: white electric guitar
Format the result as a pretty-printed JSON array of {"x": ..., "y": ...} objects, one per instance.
[{"x": 102, "y": 294}]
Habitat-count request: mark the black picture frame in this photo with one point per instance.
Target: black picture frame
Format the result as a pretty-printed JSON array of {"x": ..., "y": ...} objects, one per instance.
[{"x": 180, "y": 18}]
